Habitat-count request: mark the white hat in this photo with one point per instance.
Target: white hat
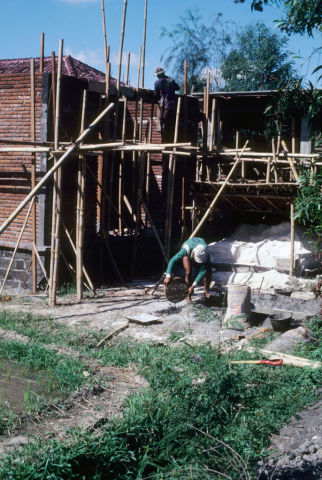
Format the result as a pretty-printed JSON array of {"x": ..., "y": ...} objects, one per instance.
[
  {"x": 158, "y": 71},
  {"x": 200, "y": 253}
]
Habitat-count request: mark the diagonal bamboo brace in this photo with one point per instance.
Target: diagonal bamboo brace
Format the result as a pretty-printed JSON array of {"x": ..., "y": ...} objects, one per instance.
[{"x": 42, "y": 182}]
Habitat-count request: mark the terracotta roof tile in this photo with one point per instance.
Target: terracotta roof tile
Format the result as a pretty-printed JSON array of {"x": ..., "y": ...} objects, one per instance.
[{"x": 71, "y": 68}]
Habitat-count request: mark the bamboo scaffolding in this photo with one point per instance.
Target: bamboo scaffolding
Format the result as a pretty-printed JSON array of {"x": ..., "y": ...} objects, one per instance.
[
  {"x": 144, "y": 43},
  {"x": 206, "y": 215},
  {"x": 92, "y": 289},
  {"x": 54, "y": 251},
  {"x": 172, "y": 173},
  {"x": 134, "y": 130},
  {"x": 53, "y": 87},
  {"x": 148, "y": 161},
  {"x": 50, "y": 172},
  {"x": 17, "y": 245},
  {"x": 296, "y": 176},
  {"x": 33, "y": 171},
  {"x": 80, "y": 209}
]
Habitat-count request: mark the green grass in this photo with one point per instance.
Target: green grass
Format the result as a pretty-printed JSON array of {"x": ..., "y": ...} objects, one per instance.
[{"x": 189, "y": 387}]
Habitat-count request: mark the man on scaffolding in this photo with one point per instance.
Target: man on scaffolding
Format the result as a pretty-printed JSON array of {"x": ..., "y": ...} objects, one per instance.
[{"x": 165, "y": 91}]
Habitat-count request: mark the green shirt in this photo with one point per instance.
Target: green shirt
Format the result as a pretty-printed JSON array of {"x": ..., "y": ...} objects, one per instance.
[{"x": 187, "y": 251}]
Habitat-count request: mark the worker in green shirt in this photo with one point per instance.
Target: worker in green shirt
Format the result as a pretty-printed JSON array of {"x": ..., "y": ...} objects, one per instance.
[{"x": 194, "y": 252}]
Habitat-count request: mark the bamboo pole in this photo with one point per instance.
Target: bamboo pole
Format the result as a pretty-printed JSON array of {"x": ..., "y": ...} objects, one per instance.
[
  {"x": 50, "y": 172},
  {"x": 166, "y": 258},
  {"x": 40, "y": 262},
  {"x": 69, "y": 266},
  {"x": 55, "y": 246},
  {"x": 274, "y": 160},
  {"x": 134, "y": 131},
  {"x": 172, "y": 180},
  {"x": 148, "y": 161},
  {"x": 290, "y": 161},
  {"x": 268, "y": 170},
  {"x": 144, "y": 43},
  {"x": 138, "y": 210},
  {"x": 80, "y": 210},
  {"x": 121, "y": 48},
  {"x": 17, "y": 245},
  {"x": 42, "y": 48},
  {"x": 75, "y": 251},
  {"x": 53, "y": 87},
  {"x": 33, "y": 172},
  {"x": 105, "y": 42},
  {"x": 206, "y": 215},
  {"x": 292, "y": 240},
  {"x": 110, "y": 335}
]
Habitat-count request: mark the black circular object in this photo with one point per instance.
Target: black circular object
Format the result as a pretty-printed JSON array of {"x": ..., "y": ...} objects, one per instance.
[
  {"x": 280, "y": 321},
  {"x": 176, "y": 290}
]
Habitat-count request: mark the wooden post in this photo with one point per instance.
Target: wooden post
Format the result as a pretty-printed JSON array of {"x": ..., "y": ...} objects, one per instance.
[
  {"x": 42, "y": 48},
  {"x": 17, "y": 245},
  {"x": 206, "y": 215},
  {"x": 172, "y": 180},
  {"x": 80, "y": 209},
  {"x": 144, "y": 43},
  {"x": 292, "y": 240},
  {"x": 33, "y": 172},
  {"x": 268, "y": 170}
]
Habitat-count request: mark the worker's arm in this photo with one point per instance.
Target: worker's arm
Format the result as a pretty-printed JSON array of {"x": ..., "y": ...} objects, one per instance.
[
  {"x": 176, "y": 258},
  {"x": 202, "y": 272}
]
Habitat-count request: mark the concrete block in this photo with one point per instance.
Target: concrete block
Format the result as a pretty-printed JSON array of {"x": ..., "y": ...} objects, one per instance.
[{"x": 144, "y": 319}]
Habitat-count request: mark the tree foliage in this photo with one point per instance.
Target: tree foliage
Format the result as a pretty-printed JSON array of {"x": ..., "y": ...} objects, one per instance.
[
  {"x": 300, "y": 16},
  {"x": 203, "y": 46},
  {"x": 259, "y": 60}
]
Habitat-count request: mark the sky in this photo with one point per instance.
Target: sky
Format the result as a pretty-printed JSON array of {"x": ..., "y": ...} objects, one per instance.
[{"x": 79, "y": 24}]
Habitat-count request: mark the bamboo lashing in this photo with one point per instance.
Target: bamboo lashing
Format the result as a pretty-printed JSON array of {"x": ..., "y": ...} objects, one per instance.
[
  {"x": 213, "y": 203},
  {"x": 17, "y": 245},
  {"x": 45, "y": 178},
  {"x": 33, "y": 171}
]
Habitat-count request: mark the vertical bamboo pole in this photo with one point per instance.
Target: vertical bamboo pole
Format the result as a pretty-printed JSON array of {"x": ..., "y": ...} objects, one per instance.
[
  {"x": 194, "y": 212},
  {"x": 80, "y": 210},
  {"x": 141, "y": 159},
  {"x": 172, "y": 180},
  {"x": 185, "y": 129},
  {"x": 42, "y": 48},
  {"x": 218, "y": 139},
  {"x": 185, "y": 77},
  {"x": 274, "y": 160},
  {"x": 33, "y": 172},
  {"x": 55, "y": 244},
  {"x": 148, "y": 161},
  {"x": 104, "y": 35},
  {"x": 53, "y": 87},
  {"x": 144, "y": 43},
  {"x": 292, "y": 240},
  {"x": 293, "y": 135},
  {"x": 268, "y": 170},
  {"x": 121, "y": 169},
  {"x": 236, "y": 146},
  {"x": 121, "y": 47},
  {"x": 128, "y": 68},
  {"x": 134, "y": 133}
]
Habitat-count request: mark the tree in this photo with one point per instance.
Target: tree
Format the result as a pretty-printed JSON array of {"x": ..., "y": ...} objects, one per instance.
[
  {"x": 203, "y": 46},
  {"x": 301, "y": 16},
  {"x": 259, "y": 60}
]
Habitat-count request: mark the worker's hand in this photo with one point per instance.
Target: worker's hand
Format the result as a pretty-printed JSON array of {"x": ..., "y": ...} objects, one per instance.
[
  {"x": 191, "y": 290},
  {"x": 167, "y": 281}
]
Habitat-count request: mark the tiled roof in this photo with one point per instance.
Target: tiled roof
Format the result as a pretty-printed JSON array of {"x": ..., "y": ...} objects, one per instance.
[{"x": 71, "y": 67}]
